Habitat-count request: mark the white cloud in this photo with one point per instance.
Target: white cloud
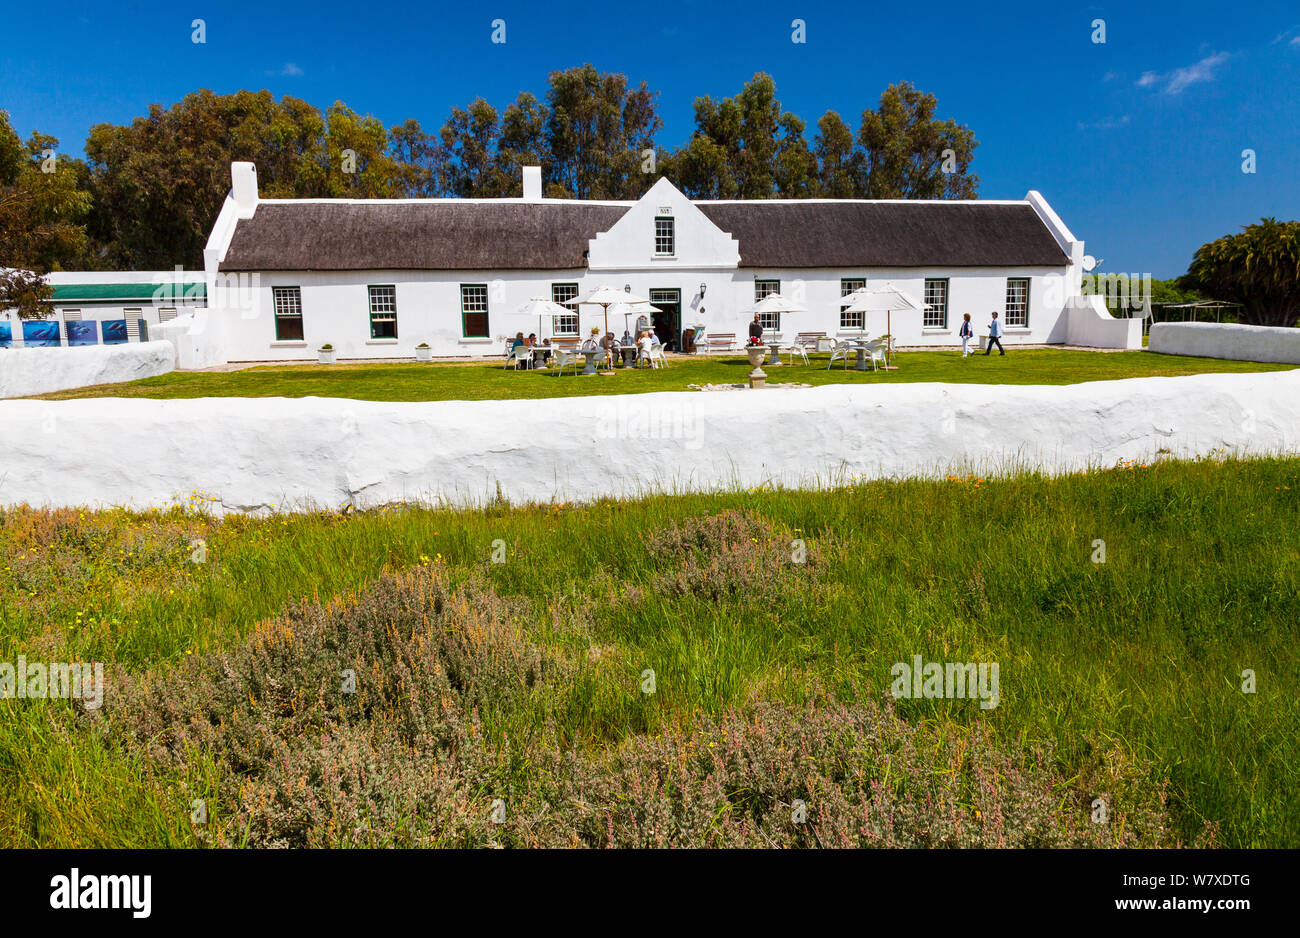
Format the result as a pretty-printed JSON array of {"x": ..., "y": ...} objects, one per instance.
[
  {"x": 291, "y": 70},
  {"x": 1181, "y": 78},
  {"x": 1295, "y": 40}
]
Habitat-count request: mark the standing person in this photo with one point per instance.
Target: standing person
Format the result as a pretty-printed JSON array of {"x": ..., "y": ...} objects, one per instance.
[
  {"x": 967, "y": 332},
  {"x": 755, "y": 331},
  {"x": 995, "y": 335}
]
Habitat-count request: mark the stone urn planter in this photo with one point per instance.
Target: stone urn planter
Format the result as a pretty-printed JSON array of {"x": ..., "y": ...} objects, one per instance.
[
  {"x": 423, "y": 353},
  {"x": 326, "y": 354},
  {"x": 756, "y": 353}
]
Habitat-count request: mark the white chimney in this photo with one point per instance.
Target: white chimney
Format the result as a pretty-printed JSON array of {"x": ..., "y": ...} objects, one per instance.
[
  {"x": 243, "y": 187},
  {"x": 532, "y": 184}
]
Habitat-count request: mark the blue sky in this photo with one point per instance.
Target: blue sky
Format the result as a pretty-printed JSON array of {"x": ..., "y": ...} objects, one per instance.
[{"x": 1136, "y": 142}]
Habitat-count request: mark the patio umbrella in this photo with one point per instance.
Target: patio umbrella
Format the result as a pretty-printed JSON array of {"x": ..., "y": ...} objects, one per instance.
[
  {"x": 542, "y": 306},
  {"x": 775, "y": 303},
  {"x": 627, "y": 311},
  {"x": 886, "y": 297},
  {"x": 607, "y": 296}
]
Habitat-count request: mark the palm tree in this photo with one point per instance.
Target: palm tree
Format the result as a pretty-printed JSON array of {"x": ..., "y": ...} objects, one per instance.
[{"x": 1259, "y": 268}]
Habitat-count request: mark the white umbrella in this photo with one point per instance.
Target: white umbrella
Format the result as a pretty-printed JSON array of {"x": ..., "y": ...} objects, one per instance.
[
  {"x": 886, "y": 297},
  {"x": 776, "y": 303},
  {"x": 626, "y": 311},
  {"x": 541, "y": 307},
  {"x": 607, "y": 296}
]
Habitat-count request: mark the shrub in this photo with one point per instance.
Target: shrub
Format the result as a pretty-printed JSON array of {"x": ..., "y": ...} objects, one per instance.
[{"x": 422, "y": 750}]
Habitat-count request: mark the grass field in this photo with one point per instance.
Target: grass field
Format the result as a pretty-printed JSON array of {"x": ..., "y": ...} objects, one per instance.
[
  {"x": 432, "y": 381},
  {"x": 524, "y": 681}
]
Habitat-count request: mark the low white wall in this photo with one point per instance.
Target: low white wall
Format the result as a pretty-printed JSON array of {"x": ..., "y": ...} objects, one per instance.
[
  {"x": 27, "y": 371},
  {"x": 1227, "y": 340},
  {"x": 1090, "y": 324},
  {"x": 257, "y": 455}
]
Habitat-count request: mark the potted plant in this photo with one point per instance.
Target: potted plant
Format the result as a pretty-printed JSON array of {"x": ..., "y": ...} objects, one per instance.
[
  {"x": 326, "y": 354},
  {"x": 423, "y": 353}
]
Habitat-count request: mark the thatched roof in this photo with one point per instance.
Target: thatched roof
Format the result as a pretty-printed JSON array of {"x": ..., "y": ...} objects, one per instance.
[
  {"x": 431, "y": 235},
  {"x": 887, "y": 234},
  {"x": 487, "y": 235}
]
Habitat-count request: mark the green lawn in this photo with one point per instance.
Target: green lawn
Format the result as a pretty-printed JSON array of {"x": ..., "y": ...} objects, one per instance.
[
  {"x": 1135, "y": 662},
  {"x": 429, "y": 382}
]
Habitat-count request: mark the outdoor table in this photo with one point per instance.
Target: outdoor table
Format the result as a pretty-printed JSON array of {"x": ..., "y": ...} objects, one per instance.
[
  {"x": 629, "y": 354},
  {"x": 773, "y": 358},
  {"x": 591, "y": 355},
  {"x": 539, "y": 353},
  {"x": 861, "y": 348}
]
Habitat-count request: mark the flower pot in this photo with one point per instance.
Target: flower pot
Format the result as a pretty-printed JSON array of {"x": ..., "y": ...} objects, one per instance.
[
  {"x": 424, "y": 354},
  {"x": 326, "y": 356}
]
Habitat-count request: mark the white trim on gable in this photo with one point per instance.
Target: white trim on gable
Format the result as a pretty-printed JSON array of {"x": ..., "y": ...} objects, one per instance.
[{"x": 699, "y": 244}]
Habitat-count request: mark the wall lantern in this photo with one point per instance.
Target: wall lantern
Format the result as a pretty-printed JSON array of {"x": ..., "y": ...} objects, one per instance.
[
  {"x": 702, "y": 289},
  {"x": 627, "y": 288}
]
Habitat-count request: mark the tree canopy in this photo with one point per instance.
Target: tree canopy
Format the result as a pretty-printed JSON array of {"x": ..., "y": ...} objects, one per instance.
[
  {"x": 148, "y": 192},
  {"x": 1258, "y": 268}
]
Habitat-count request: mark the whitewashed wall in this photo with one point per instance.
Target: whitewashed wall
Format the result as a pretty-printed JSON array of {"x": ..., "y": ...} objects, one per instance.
[
  {"x": 1227, "y": 340},
  {"x": 336, "y": 308},
  {"x": 28, "y": 371},
  {"x": 278, "y": 454}
]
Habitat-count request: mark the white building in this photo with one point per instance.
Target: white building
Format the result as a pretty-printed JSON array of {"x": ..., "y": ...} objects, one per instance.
[
  {"x": 376, "y": 278},
  {"x": 124, "y": 306}
]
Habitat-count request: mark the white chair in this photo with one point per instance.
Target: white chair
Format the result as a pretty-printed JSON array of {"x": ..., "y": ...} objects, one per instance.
[
  {"x": 657, "y": 357},
  {"x": 843, "y": 349},
  {"x": 876, "y": 352},
  {"x": 511, "y": 358},
  {"x": 564, "y": 358},
  {"x": 795, "y": 348}
]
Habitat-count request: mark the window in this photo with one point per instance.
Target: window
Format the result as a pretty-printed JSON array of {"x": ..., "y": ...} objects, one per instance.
[
  {"x": 288, "y": 313},
  {"x": 936, "y": 305},
  {"x": 133, "y": 317},
  {"x": 847, "y": 286},
  {"x": 1017, "y": 311},
  {"x": 166, "y": 313},
  {"x": 566, "y": 324},
  {"x": 383, "y": 312},
  {"x": 664, "y": 246},
  {"x": 771, "y": 322},
  {"x": 474, "y": 310}
]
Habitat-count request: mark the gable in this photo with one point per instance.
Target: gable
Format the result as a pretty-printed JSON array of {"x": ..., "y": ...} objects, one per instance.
[{"x": 630, "y": 243}]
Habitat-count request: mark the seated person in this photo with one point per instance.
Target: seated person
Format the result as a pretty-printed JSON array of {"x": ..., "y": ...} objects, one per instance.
[
  {"x": 627, "y": 339},
  {"x": 590, "y": 344},
  {"x": 532, "y": 340},
  {"x": 645, "y": 344},
  {"x": 517, "y": 346}
]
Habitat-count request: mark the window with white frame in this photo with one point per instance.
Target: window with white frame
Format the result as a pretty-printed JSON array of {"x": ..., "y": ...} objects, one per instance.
[
  {"x": 567, "y": 323},
  {"x": 1017, "y": 309},
  {"x": 383, "y": 312},
  {"x": 936, "y": 304},
  {"x": 288, "y": 313},
  {"x": 771, "y": 322},
  {"x": 474, "y": 310},
  {"x": 166, "y": 313},
  {"x": 664, "y": 240},
  {"x": 848, "y": 285}
]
